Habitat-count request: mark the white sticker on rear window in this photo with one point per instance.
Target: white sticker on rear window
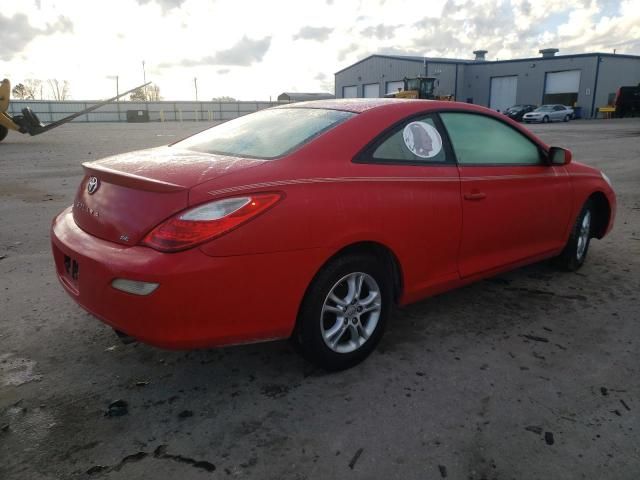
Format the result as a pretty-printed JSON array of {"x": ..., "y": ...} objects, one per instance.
[{"x": 422, "y": 139}]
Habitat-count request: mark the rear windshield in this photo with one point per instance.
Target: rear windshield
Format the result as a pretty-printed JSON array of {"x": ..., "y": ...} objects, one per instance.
[{"x": 265, "y": 134}]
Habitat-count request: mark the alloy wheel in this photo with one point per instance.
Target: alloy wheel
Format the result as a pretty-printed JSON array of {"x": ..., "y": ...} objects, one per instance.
[
  {"x": 350, "y": 312},
  {"x": 583, "y": 235}
]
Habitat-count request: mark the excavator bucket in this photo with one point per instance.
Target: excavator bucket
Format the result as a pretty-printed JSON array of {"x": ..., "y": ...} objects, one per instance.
[{"x": 28, "y": 121}]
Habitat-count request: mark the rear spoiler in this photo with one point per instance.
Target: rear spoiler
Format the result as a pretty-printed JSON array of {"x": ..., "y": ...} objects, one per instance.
[{"x": 130, "y": 180}]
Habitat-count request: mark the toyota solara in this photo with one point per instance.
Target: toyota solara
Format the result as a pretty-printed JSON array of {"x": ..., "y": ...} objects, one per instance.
[{"x": 310, "y": 221}]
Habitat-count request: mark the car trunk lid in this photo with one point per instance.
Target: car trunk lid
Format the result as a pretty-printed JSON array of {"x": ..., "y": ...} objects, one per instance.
[{"x": 121, "y": 198}]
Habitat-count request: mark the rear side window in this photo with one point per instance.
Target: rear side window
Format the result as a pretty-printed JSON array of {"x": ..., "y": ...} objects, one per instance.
[
  {"x": 481, "y": 140},
  {"x": 415, "y": 141},
  {"x": 266, "y": 134}
]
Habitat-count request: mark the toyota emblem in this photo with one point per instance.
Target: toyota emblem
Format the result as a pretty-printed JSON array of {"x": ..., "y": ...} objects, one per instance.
[{"x": 93, "y": 185}]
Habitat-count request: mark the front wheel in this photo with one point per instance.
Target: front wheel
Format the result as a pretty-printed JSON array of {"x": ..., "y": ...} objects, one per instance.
[
  {"x": 344, "y": 312},
  {"x": 545, "y": 119},
  {"x": 575, "y": 251},
  {"x": 3, "y": 132}
]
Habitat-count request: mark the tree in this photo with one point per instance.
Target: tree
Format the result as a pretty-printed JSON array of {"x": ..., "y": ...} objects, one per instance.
[
  {"x": 20, "y": 92},
  {"x": 28, "y": 90},
  {"x": 224, "y": 98},
  {"x": 153, "y": 93},
  {"x": 150, "y": 93},
  {"x": 59, "y": 89}
]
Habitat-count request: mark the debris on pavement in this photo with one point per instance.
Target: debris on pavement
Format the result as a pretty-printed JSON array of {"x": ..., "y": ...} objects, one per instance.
[
  {"x": 117, "y": 408},
  {"x": 355, "y": 458},
  {"x": 548, "y": 438}
]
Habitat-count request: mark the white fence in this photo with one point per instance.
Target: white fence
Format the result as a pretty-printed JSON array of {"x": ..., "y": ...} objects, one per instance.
[{"x": 51, "y": 111}]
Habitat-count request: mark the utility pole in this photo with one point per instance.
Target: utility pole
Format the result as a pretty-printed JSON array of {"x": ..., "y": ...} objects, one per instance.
[
  {"x": 195, "y": 84},
  {"x": 144, "y": 78},
  {"x": 118, "y": 93}
]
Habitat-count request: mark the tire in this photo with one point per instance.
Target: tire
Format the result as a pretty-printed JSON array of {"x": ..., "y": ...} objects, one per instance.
[
  {"x": 567, "y": 118},
  {"x": 334, "y": 332},
  {"x": 3, "y": 132},
  {"x": 545, "y": 119},
  {"x": 577, "y": 247}
]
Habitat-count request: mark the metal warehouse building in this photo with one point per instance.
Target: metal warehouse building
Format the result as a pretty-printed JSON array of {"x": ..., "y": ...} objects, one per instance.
[{"x": 585, "y": 80}]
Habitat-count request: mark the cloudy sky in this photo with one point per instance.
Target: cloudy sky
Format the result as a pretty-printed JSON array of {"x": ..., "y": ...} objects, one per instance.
[{"x": 251, "y": 49}]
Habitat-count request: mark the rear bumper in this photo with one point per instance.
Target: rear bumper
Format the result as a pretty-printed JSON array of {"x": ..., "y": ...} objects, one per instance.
[{"x": 201, "y": 300}]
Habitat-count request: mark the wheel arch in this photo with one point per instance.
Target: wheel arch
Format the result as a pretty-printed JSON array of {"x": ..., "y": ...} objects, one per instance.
[
  {"x": 602, "y": 213},
  {"x": 377, "y": 249}
]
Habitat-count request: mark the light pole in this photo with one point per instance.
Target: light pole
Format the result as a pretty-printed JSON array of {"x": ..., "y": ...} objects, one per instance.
[
  {"x": 195, "y": 84},
  {"x": 144, "y": 78}
]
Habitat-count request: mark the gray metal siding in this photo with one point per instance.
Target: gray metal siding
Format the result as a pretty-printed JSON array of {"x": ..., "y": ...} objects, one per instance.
[
  {"x": 445, "y": 73},
  {"x": 531, "y": 79},
  {"x": 376, "y": 70},
  {"x": 615, "y": 73},
  {"x": 474, "y": 79}
]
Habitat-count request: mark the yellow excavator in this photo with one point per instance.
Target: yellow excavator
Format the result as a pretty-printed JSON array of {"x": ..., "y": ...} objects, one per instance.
[
  {"x": 28, "y": 121},
  {"x": 419, "y": 87}
]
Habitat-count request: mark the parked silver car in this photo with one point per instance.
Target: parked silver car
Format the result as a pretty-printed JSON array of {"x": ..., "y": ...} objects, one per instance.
[{"x": 549, "y": 113}]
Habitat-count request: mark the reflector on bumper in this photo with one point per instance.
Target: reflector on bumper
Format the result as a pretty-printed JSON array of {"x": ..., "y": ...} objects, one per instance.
[{"x": 133, "y": 286}]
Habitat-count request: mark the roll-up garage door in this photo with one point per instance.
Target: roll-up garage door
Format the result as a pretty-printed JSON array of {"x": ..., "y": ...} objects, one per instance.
[
  {"x": 372, "y": 90},
  {"x": 350, "y": 92},
  {"x": 562, "y": 87},
  {"x": 393, "y": 87},
  {"x": 503, "y": 92}
]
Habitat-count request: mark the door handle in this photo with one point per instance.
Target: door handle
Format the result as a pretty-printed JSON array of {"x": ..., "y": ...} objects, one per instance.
[{"x": 475, "y": 195}]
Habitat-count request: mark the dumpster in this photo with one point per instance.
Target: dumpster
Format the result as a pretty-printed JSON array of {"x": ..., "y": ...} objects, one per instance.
[
  {"x": 137, "y": 116},
  {"x": 577, "y": 112}
]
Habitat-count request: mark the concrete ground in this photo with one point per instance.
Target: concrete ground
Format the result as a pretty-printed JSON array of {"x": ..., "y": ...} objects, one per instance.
[{"x": 531, "y": 375}]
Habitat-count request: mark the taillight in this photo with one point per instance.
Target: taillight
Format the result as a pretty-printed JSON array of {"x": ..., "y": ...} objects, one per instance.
[{"x": 208, "y": 221}]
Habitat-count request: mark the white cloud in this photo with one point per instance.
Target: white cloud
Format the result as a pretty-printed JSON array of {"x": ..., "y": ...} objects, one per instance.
[{"x": 254, "y": 49}]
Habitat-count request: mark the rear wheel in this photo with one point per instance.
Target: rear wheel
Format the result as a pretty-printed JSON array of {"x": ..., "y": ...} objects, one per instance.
[
  {"x": 3, "y": 132},
  {"x": 567, "y": 118},
  {"x": 575, "y": 252},
  {"x": 545, "y": 119},
  {"x": 344, "y": 312}
]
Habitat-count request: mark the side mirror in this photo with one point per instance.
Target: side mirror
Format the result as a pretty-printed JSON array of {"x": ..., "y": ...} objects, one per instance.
[{"x": 559, "y": 156}]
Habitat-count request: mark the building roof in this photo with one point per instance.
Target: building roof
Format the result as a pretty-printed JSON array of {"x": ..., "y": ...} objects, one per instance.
[
  {"x": 411, "y": 58},
  {"x": 307, "y": 95}
]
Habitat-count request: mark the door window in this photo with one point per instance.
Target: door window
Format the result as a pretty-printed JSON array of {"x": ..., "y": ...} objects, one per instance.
[
  {"x": 416, "y": 141},
  {"x": 482, "y": 140}
]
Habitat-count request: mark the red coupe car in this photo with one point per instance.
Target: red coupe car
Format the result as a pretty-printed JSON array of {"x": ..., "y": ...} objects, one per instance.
[{"x": 310, "y": 221}]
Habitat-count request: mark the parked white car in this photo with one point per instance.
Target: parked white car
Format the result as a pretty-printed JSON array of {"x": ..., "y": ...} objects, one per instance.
[{"x": 549, "y": 113}]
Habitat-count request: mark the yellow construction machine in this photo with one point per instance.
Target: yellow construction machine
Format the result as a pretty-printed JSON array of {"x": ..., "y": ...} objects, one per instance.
[
  {"x": 28, "y": 121},
  {"x": 419, "y": 87}
]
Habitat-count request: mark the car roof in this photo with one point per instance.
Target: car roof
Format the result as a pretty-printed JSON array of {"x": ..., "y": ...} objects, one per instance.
[
  {"x": 400, "y": 106},
  {"x": 356, "y": 105}
]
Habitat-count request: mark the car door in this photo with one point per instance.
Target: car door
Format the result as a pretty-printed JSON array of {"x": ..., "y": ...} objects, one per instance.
[
  {"x": 558, "y": 113},
  {"x": 422, "y": 212},
  {"x": 514, "y": 205}
]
